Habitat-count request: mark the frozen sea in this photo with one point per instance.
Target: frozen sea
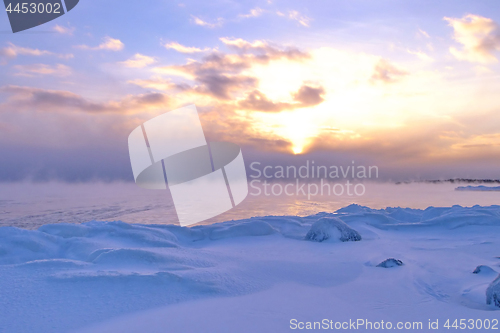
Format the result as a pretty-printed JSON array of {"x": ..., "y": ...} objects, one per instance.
[{"x": 30, "y": 205}]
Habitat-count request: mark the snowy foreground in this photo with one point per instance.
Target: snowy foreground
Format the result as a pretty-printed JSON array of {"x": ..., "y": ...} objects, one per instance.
[{"x": 254, "y": 275}]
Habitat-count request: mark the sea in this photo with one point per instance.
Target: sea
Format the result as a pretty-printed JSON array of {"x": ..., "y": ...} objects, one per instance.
[{"x": 30, "y": 205}]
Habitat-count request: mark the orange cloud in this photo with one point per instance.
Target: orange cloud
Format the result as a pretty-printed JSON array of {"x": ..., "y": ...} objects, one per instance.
[
  {"x": 138, "y": 61},
  {"x": 479, "y": 36},
  {"x": 306, "y": 96},
  {"x": 108, "y": 44},
  {"x": 43, "y": 69},
  {"x": 386, "y": 72},
  {"x": 12, "y": 51},
  {"x": 63, "y": 30},
  {"x": 184, "y": 49},
  {"x": 198, "y": 21}
]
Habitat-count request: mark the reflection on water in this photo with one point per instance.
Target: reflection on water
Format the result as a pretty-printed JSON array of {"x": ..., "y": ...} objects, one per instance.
[{"x": 32, "y": 205}]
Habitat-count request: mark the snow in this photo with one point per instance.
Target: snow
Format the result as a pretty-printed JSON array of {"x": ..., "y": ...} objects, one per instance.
[
  {"x": 478, "y": 188},
  {"x": 483, "y": 269},
  {"x": 331, "y": 228},
  {"x": 493, "y": 292},
  {"x": 391, "y": 262},
  {"x": 252, "y": 275}
]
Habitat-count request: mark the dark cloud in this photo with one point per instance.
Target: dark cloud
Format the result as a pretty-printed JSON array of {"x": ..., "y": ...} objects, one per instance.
[
  {"x": 271, "y": 145},
  {"x": 55, "y": 100},
  {"x": 150, "y": 99},
  {"x": 218, "y": 75},
  {"x": 386, "y": 73},
  {"x": 309, "y": 96},
  {"x": 221, "y": 86},
  {"x": 304, "y": 97},
  {"x": 259, "y": 102}
]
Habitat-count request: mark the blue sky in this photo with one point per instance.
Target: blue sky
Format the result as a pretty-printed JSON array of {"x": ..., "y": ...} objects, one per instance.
[{"x": 408, "y": 85}]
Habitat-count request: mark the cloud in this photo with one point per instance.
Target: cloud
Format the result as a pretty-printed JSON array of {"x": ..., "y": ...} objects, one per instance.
[
  {"x": 444, "y": 147},
  {"x": 304, "y": 97},
  {"x": 264, "y": 49},
  {"x": 259, "y": 92},
  {"x": 160, "y": 84},
  {"x": 296, "y": 16},
  {"x": 259, "y": 102},
  {"x": 253, "y": 13},
  {"x": 221, "y": 86},
  {"x": 227, "y": 92},
  {"x": 386, "y": 72},
  {"x": 270, "y": 98},
  {"x": 421, "y": 55},
  {"x": 198, "y": 21},
  {"x": 108, "y": 44},
  {"x": 28, "y": 98},
  {"x": 423, "y": 33},
  {"x": 222, "y": 123},
  {"x": 241, "y": 44},
  {"x": 138, "y": 61},
  {"x": 221, "y": 75},
  {"x": 63, "y": 30},
  {"x": 479, "y": 36},
  {"x": 43, "y": 69},
  {"x": 309, "y": 96},
  {"x": 12, "y": 51},
  {"x": 51, "y": 135},
  {"x": 184, "y": 49}
]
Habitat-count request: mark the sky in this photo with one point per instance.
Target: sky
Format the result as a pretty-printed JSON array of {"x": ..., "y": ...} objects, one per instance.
[{"x": 409, "y": 86}]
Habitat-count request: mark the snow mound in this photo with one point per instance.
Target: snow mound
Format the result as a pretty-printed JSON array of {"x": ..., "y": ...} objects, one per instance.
[
  {"x": 396, "y": 218},
  {"x": 493, "y": 292},
  {"x": 355, "y": 209},
  {"x": 332, "y": 228},
  {"x": 391, "y": 262},
  {"x": 254, "y": 228},
  {"x": 485, "y": 270}
]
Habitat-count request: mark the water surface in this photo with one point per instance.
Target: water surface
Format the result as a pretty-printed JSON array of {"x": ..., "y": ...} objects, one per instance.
[{"x": 30, "y": 205}]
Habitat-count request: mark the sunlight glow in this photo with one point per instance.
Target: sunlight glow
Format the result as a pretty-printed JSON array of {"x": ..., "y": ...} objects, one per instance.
[{"x": 355, "y": 99}]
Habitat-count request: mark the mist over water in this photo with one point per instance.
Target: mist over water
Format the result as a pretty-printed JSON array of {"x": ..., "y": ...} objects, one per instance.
[{"x": 30, "y": 205}]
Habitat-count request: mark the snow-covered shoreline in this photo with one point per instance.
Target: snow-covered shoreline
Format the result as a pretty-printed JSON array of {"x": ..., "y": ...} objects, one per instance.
[
  {"x": 480, "y": 188},
  {"x": 261, "y": 272}
]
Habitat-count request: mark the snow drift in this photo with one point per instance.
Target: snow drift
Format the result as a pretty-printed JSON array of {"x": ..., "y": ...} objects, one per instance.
[
  {"x": 64, "y": 277},
  {"x": 484, "y": 270}
]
